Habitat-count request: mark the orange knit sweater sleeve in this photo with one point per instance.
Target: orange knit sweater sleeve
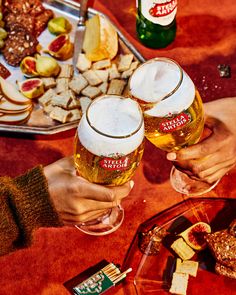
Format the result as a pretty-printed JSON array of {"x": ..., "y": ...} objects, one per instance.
[{"x": 25, "y": 205}]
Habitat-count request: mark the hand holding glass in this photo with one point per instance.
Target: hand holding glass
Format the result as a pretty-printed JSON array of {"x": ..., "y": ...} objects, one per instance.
[
  {"x": 108, "y": 149},
  {"x": 173, "y": 113}
]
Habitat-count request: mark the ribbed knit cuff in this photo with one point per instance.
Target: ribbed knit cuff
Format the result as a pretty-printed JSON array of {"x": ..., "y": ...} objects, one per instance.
[{"x": 33, "y": 207}]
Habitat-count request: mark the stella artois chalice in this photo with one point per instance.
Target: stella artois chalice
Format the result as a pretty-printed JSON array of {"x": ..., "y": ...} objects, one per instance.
[
  {"x": 173, "y": 113},
  {"x": 108, "y": 149}
]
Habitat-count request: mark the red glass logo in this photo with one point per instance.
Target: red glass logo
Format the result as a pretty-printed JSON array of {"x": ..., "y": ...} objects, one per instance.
[
  {"x": 174, "y": 122},
  {"x": 112, "y": 164}
]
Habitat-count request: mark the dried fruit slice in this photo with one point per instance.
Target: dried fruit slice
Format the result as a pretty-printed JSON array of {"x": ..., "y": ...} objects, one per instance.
[
  {"x": 28, "y": 66},
  {"x": 31, "y": 88},
  {"x": 61, "y": 47},
  {"x": 194, "y": 236}
]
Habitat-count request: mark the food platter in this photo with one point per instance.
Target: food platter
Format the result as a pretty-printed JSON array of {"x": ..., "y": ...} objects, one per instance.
[
  {"x": 39, "y": 122},
  {"x": 152, "y": 273}
]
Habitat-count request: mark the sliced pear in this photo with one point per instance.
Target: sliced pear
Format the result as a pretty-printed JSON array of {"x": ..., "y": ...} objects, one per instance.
[
  {"x": 15, "y": 118},
  {"x": 9, "y": 91},
  {"x": 6, "y": 106}
]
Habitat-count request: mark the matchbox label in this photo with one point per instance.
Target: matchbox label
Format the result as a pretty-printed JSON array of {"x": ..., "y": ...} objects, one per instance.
[
  {"x": 112, "y": 164},
  {"x": 175, "y": 122},
  {"x": 160, "y": 12}
]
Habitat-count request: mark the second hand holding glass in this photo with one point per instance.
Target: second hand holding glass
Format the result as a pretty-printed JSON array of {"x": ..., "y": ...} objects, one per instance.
[
  {"x": 108, "y": 149},
  {"x": 173, "y": 113}
]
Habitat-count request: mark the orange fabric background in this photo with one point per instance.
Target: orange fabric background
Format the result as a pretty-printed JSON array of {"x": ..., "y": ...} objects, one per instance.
[{"x": 206, "y": 37}]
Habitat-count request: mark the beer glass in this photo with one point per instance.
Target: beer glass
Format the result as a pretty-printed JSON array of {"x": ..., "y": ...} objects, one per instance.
[
  {"x": 173, "y": 113},
  {"x": 109, "y": 144}
]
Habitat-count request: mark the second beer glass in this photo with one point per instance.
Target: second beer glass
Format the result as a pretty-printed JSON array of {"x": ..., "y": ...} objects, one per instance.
[
  {"x": 108, "y": 149},
  {"x": 173, "y": 113}
]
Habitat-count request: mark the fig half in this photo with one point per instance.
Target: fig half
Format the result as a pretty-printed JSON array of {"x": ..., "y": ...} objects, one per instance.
[
  {"x": 61, "y": 47},
  {"x": 59, "y": 25},
  {"x": 194, "y": 236},
  {"x": 31, "y": 88},
  {"x": 28, "y": 66},
  {"x": 47, "y": 66}
]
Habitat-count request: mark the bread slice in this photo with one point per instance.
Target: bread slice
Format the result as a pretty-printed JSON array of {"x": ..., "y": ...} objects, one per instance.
[{"x": 101, "y": 40}]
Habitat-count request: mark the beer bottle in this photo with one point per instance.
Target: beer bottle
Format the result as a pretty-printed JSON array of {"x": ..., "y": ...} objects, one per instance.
[{"x": 156, "y": 22}]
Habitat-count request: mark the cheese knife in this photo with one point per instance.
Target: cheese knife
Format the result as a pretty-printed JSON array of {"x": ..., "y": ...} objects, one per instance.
[{"x": 80, "y": 31}]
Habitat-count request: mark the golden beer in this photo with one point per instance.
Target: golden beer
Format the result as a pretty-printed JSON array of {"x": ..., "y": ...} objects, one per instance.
[
  {"x": 109, "y": 141},
  {"x": 112, "y": 170},
  {"x": 172, "y": 107},
  {"x": 176, "y": 131}
]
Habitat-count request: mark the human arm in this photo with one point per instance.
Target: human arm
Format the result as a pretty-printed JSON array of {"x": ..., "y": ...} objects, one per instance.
[
  {"x": 215, "y": 155},
  {"x": 49, "y": 197}
]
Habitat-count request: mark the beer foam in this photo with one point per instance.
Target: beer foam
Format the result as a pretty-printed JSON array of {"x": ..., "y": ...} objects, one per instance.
[
  {"x": 154, "y": 80},
  {"x": 177, "y": 102},
  {"x": 113, "y": 116}
]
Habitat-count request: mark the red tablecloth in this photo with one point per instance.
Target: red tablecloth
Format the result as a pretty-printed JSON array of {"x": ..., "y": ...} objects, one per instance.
[{"x": 206, "y": 37}]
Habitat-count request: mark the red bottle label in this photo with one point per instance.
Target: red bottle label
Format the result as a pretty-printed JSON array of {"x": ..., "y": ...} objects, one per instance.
[
  {"x": 174, "y": 122},
  {"x": 163, "y": 9},
  {"x": 160, "y": 12},
  {"x": 112, "y": 164}
]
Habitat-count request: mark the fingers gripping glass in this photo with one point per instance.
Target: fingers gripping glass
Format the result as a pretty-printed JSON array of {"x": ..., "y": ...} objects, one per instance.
[
  {"x": 173, "y": 113},
  {"x": 108, "y": 149}
]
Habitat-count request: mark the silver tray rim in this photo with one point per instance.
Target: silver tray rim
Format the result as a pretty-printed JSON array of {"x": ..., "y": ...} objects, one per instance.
[{"x": 72, "y": 8}]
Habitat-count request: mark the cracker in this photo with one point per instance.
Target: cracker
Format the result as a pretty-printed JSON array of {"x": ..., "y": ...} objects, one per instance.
[
  {"x": 92, "y": 78},
  {"x": 103, "y": 87},
  {"x": 134, "y": 65},
  {"x": 125, "y": 62},
  {"x": 84, "y": 103},
  {"x": 102, "y": 64},
  {"x": 46, "y": 98},
  {"x": 83, "y": 64},
  {"x": 66, "y": 71},
  {"x": 75, "y": 115},
  {"x": 49, "y": 82},
  {"x": 63, "y": 99},
  {"x": 126, "y": 74},
  {"x": 116, "y": 87},
  {"x": 102, "y": 74},
  {"x": 62, "y": 85},
  {"x": 91, "y": 91},
  {"x": 78, "y": 83},
  {"x": 113, "y": 72},
  {"x": 60, "y": 114}
]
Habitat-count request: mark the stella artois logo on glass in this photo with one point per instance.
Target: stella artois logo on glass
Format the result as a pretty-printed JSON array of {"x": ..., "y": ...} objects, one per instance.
[
  {"x": 174, "y": 122},
  {"x": 117, "y": 163}
]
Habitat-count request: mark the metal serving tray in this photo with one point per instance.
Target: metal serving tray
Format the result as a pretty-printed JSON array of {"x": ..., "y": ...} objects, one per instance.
[{"x": 40, "y": 123}]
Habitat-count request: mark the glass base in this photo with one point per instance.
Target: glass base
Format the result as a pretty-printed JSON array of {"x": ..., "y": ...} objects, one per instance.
[
  {"x": 183, "y": 184},
  {"x": 105, "y": 224}
]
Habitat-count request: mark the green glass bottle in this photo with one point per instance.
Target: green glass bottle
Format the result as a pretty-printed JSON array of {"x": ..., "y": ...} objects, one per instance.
[{"x": 156, "y": 22}]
